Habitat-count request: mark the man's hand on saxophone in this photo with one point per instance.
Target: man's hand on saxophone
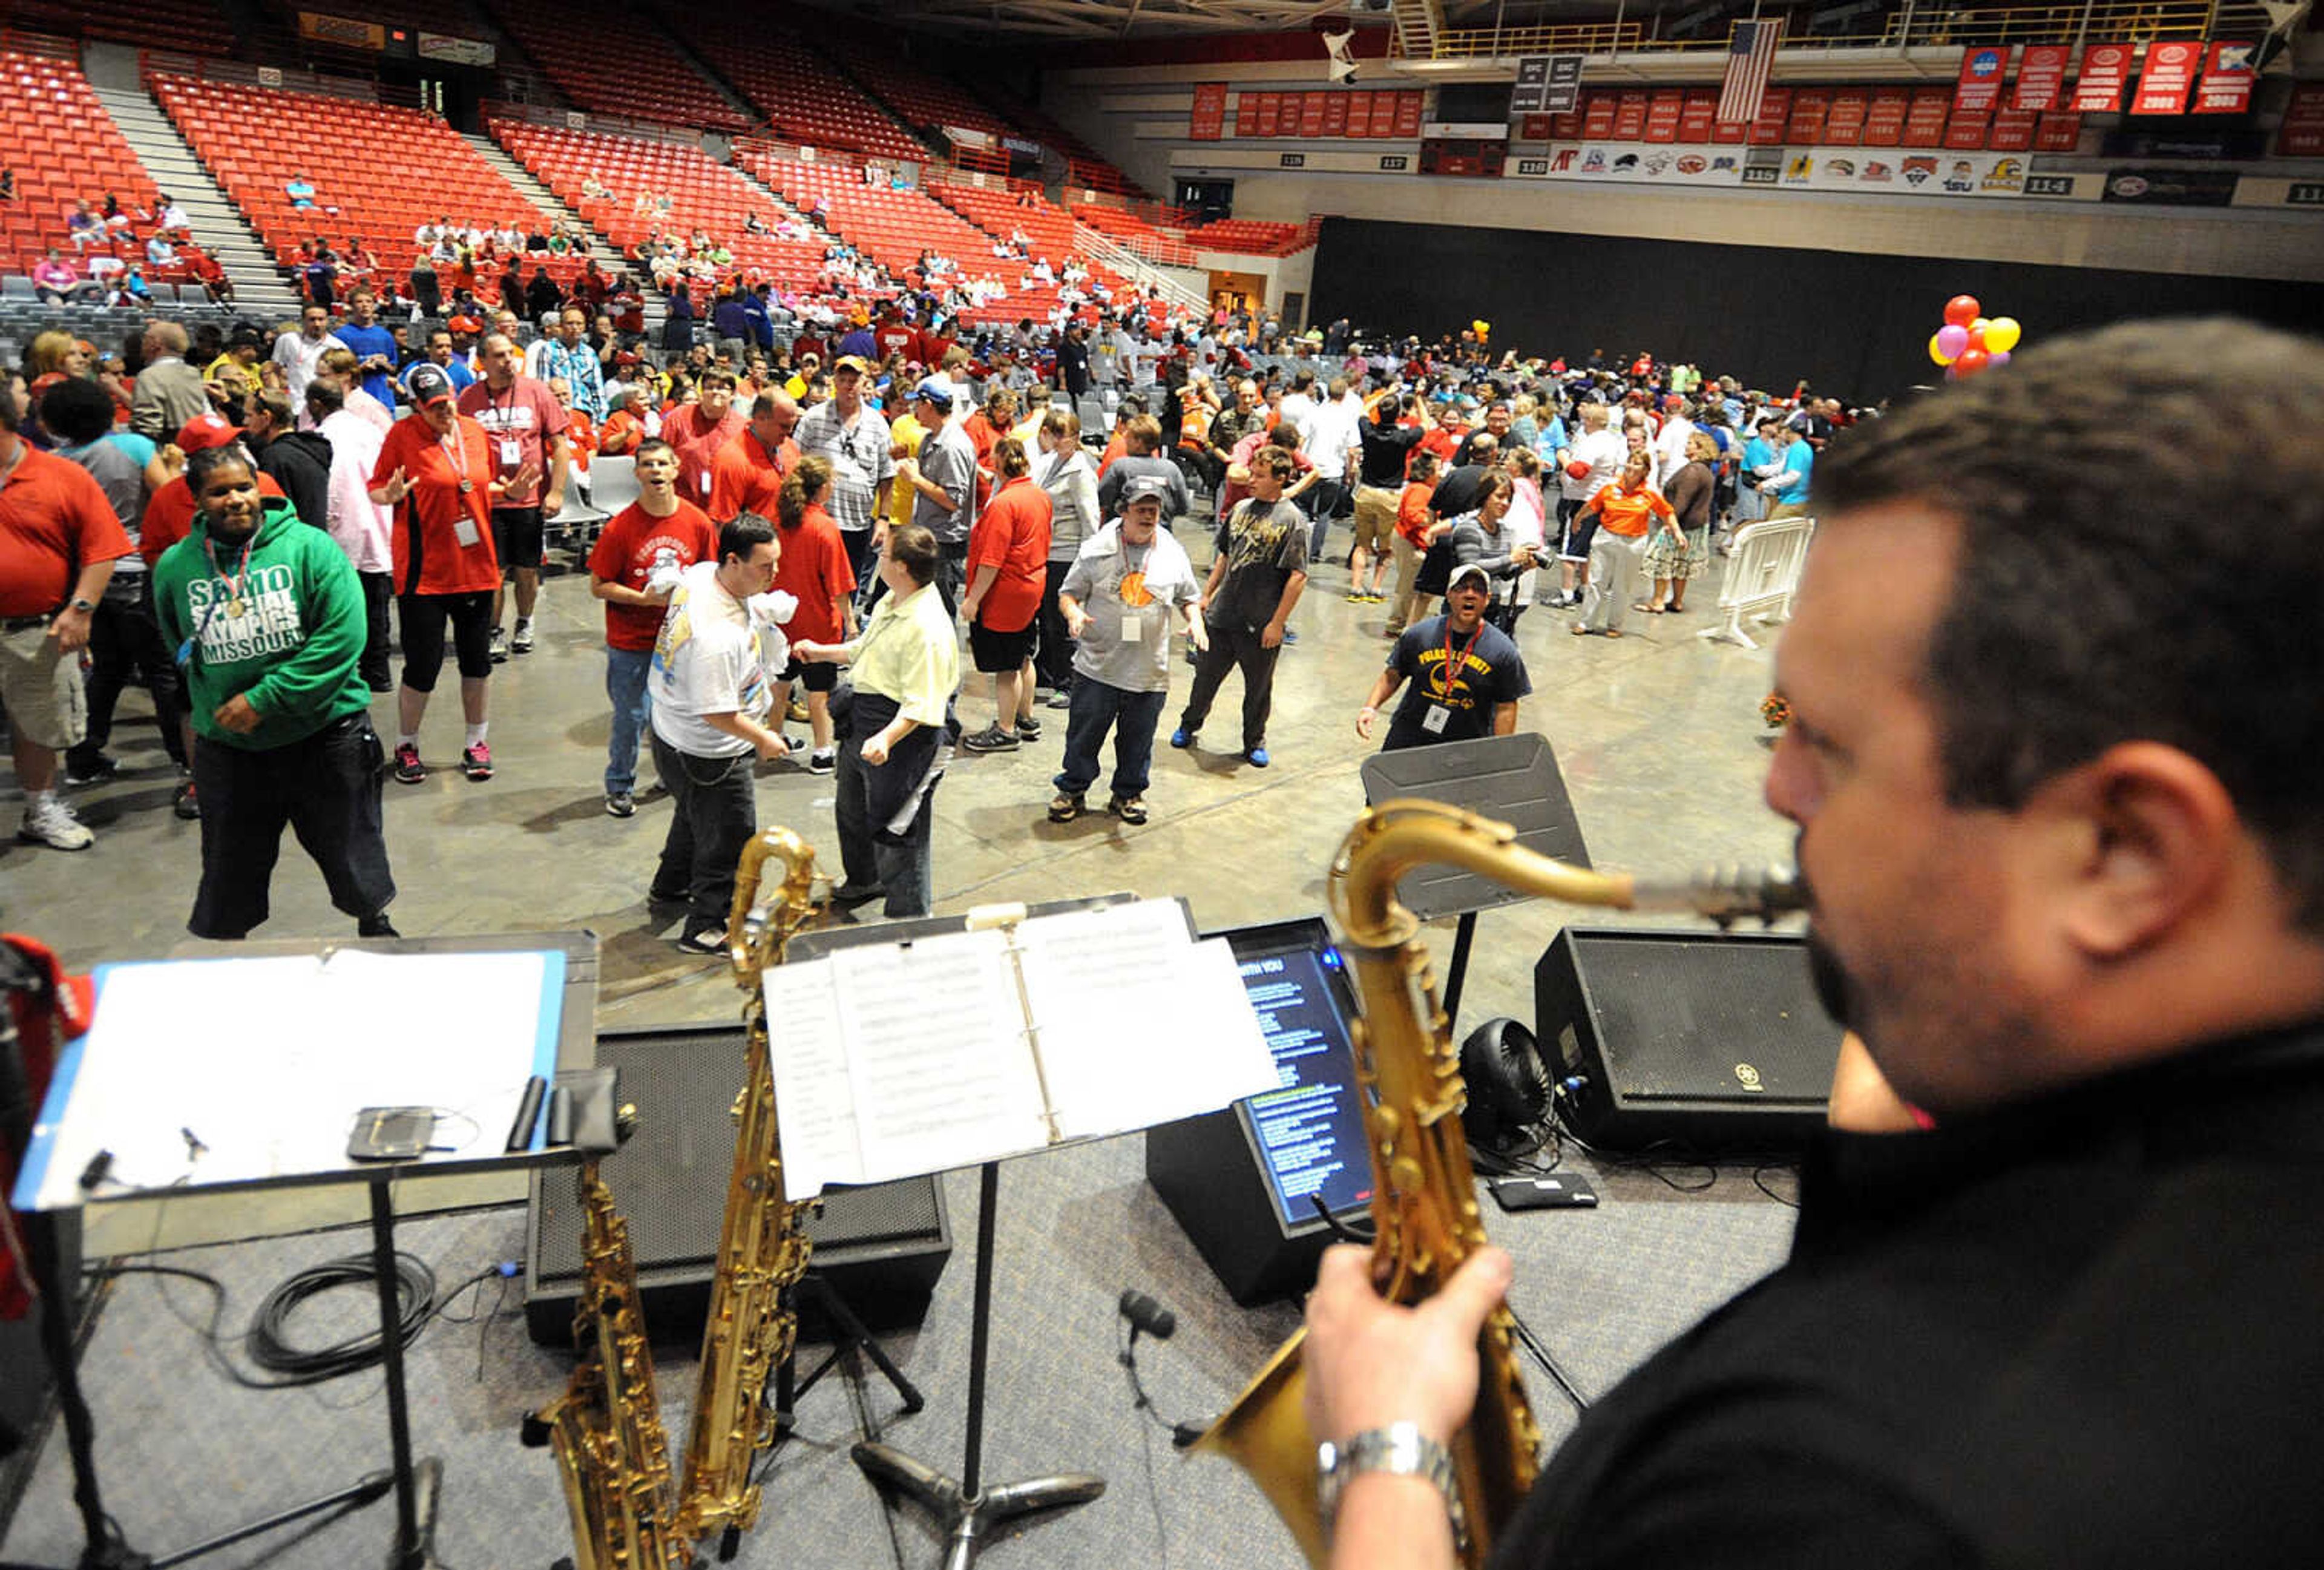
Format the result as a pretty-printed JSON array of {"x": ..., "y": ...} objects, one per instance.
[{"x": 1373, "y": 1365}]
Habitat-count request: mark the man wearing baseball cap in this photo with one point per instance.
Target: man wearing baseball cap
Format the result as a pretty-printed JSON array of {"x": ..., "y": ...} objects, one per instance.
[
  {"x": 943, "y": 478},
  {"x": 851, "y": 435},
  {"x": 1116, "y": 600},
  {"x": 1467, "y": 674}
]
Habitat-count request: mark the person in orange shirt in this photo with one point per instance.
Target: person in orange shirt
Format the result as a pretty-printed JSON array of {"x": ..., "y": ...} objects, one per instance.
[
  {"x": 1008, "y": 572},
  {"x": 628, "y": 425},
  {"x": 817, "y": 570},
  {"x": 1626, "y": 511},
  {"x": 699, "y": 431},
  {"x": 1410, "y": 542},
  {"x": 581, "y": 435},
  {"x": 747, "y": 474},
  {"x": 984, "y": 428}
]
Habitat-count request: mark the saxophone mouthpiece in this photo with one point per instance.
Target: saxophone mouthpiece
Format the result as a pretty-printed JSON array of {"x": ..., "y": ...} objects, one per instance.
[{"x": 1728, "y": 894}]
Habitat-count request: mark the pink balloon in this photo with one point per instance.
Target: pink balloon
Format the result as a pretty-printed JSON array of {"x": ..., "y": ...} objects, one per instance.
[
  {"x": 1998, "y": 357},
  {"x": 1951, "y": 339}
]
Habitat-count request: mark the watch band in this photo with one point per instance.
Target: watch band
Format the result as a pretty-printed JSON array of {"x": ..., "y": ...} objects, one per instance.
[
  {"x": 1399, "y": 1449},
  {"x": 78, "y": 603}
]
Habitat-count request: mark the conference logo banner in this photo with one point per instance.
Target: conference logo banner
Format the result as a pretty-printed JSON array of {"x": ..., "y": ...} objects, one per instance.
[
  {"x": 1860, "y": 171},
  {"x": 2106, "y": 69},
  {"x": 2167, "y": 77},
  {"x": 1639, "y": 162},
  {"x": 2042, "y": 76},
  {"x": 1979, "y": 88},
  {"x": 2227, "y": 86}
]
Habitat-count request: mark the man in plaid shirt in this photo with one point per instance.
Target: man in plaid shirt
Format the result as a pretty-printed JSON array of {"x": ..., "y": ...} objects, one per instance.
[
  {"x": 853, "y": 437},
  {"x": 570, "y": 358}
]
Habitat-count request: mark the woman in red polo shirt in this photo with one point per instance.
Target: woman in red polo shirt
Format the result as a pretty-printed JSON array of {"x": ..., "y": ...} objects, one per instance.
[
  {"x": 814, "y": 569},
  {"x": 435, "y": 469},
  {"x": 1007, "y": 569}
]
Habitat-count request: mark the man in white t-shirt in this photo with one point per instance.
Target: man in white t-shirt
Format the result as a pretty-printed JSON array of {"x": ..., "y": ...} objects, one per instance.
[
  {"x": 1598, "y": 454},
  {"x": 302, "y": 352},
  {"x": 712, "y": 689}
]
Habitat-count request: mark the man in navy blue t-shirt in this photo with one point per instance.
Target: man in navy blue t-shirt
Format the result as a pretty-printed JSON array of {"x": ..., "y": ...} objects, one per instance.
[{"x": 1466, "y": 673}]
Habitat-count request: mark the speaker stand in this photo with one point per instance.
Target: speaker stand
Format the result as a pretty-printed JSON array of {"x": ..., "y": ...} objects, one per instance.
[
  {"x": 852, "y": 1338},
  {"x": 969, "y": 1510},
  {"x": 1464, "y": 937}
]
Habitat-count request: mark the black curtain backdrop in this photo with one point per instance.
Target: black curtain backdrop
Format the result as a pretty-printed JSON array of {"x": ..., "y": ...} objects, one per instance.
[{"x": 1856, "y": 327}]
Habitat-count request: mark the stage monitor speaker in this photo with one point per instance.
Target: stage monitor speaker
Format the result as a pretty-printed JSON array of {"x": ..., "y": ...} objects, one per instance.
[
  {"x": 882, "y": 1246},
  {"x": 1694, "y": 1039},
  {"x": 1244, "y": 1181}
]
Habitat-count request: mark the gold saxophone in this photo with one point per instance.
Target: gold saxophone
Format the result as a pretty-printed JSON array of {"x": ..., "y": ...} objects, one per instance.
[
  {"x": 762, "y": 1246},
  {"x": 1423, "y": 1198},
  {"x": 606, "y": 1430}
]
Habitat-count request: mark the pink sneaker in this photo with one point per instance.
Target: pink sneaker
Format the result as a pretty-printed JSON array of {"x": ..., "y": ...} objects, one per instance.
[{"x": 476, "y": 762}]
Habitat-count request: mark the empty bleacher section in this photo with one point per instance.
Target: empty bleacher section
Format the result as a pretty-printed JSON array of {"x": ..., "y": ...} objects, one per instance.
[
  {"x": 611, "y": 60},
  {"x": 192, "y": 26},
  {"x": 1086, "y": 166},
  {"x": 62, "y": 147},
  {"x": 386, "y": 171},
  {"x": 1135, "y": 235},
  {"x": 920, "y": 97},
  {"x": 702, "y": 195},
  {"x": 802, "y": 94},
  {"x": 1252, "y": 236}
]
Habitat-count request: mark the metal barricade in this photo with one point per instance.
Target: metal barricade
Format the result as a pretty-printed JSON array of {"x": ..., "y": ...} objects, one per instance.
[{"x": 1762, "y": 571}]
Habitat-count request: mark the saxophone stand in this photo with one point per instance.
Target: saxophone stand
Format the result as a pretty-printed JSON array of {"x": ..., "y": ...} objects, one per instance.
[
  {"x": 969, "y": 1509},
  {"x": 851, "y": 1337}
]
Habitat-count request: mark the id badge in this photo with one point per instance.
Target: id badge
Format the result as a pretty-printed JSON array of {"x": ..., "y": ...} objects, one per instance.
[
  {"x": 465, "y": 531},
  {"x": 511, "y": 454},
  {"x": 1434, "y": 721}
]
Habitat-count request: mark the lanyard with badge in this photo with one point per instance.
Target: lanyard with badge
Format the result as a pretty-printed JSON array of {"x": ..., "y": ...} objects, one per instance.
[
  {"x": 456, "y": 452},
  {"x": 1440, "y": 715},
  {"x": 504, "y": 419}
]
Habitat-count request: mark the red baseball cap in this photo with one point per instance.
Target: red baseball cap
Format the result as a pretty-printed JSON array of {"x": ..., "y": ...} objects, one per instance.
[{"x": 205, "y": 431}]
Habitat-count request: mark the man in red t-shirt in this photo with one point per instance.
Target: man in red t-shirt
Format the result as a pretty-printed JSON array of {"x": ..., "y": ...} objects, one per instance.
[
  {"x": 1008, "y": 571},
  {"x": 526, "y": 425},
  {"x": 59, "y": 540},
  {"x": 699, "y": 429},
  {"x": 747, "y": 474},
  {"x": 632, "y": 567}
]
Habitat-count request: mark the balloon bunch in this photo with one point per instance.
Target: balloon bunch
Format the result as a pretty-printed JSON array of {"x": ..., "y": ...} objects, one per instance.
[{"x": 1968, "y": 342}]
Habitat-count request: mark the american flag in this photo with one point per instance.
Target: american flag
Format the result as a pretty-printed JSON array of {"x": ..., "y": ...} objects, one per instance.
[{"x": 1750, "y": 57}]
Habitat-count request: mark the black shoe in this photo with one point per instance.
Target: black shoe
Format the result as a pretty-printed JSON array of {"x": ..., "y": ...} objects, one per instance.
[
  {"x": 704, "y": 940},
  {"x": 665, "y": 897},
  {"x": 857, "y": 893},
  {"x": 377, "y": 926},
  {"x": 620, "y": 804},
  {"x": 90, "y": 770},
  {"x": 1027, "y": 728}
]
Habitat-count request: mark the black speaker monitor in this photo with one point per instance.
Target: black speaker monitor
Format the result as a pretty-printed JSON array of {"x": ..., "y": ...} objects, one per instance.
[
  {"x": 1694, "y": 1039},
  {"x": 882, "y": 1246},
  {"x": 1243, "y": 1182}
]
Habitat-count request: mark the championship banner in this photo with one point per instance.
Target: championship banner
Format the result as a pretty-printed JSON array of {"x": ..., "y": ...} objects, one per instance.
[
  {"x": 1926, "y": 121},
  {"x": 2041, "y": 76},
  {"x": 1698, "y": 117},
  {"x": 2013, "y": 130},
  {"x": 2166, "y": 77},
  {"x": 2058, "y": 134},
  {"x": 1884, "y": 117},
  {"x": 1631, "y": 118},
  {"x": 1531, "y": 94},
  {"x": 1335, "y": 113},
  {"x": 2227, "y": 75},
  {"x": 1270, "y": 109},
  {"x": 1844, "y": 126},
  {"x": 1979, "y": 89},
  {"x": 1408, "y": 114},
  {"x": 2106, "y": 67},
  {"x": 1246, "y": 114},
  {"x": 1312, "y": 107},
  {"x": 1810, "y": 107},
  {"x": 1774, "y": 115},
  {"x": 1565, "y": 91},
  {"x": 1663, "y": 110},
  {"x": 1535, "y": 127},
  {"x": 2301, "y": 135},
  {"x": 1967, "y": 133},
  {"x": 1598, "y": 112},
  {"x": 1208, "y": 120}
]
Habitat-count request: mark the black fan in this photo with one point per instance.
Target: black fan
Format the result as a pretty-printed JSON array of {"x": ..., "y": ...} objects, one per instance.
[{"x": 1508, "y": 1088}]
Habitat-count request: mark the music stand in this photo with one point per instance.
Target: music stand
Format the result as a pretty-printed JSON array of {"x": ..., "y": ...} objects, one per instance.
[
  {"x": 967, "y": 1507},
  {"x": 71, "y": 1123},
  {"x": 1513, "y": 778}
]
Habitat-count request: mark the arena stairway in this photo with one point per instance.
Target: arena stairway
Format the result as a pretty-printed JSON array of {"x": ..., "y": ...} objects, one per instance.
[
  {"x": 260, "y": 290},
  {"x": 609, "y": 260}
]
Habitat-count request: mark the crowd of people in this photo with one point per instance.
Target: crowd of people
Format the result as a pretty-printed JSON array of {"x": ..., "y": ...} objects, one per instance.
[{"x": 110, "y": 264}]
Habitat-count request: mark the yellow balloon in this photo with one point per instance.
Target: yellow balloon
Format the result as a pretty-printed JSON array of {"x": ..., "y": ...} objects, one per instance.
[
  {"x": 2002, "y": 332},
  {"x": 1979, "y": 325},
  {"x": 1936, "y": 353}
]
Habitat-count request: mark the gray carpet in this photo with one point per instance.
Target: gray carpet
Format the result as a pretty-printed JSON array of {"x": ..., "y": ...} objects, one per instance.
[{"x": 184, "y": 1453}]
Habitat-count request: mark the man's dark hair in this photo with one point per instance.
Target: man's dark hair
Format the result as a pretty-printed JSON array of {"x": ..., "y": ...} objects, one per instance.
[
  {"x": 202, "y": 465},
  {"x": 2105, "y": 483},
  {"x": 77, "y": 409},
  {"x": 914, "y": 547},
  {"x": 324, "y": 399},
  {"x": 654, "y": 446},
  {"x": 740, "y": 535}
]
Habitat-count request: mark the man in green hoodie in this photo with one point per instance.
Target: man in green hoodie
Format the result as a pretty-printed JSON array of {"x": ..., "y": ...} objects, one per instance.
[{"x": 266, "y": 618}]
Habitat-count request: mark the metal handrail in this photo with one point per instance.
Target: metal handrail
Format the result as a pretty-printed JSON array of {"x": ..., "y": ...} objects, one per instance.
[{"x": 2125, "y": 20}]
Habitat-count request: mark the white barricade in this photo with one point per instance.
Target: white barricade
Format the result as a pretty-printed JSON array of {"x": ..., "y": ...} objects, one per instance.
[{"x": 1762, "y": 571}]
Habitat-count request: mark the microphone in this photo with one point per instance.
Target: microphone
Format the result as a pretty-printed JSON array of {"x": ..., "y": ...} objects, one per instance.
[{"x": 1146, "y": 1315}]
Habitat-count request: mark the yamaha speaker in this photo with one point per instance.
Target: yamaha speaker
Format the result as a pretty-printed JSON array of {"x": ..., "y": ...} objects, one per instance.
[
  {"x": 1691, "y": 1040},
  {"x": 881, "y": 1246}
]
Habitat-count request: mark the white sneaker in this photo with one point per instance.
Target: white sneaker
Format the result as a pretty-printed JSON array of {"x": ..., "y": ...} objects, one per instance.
[{"x": 52, "y": 824}]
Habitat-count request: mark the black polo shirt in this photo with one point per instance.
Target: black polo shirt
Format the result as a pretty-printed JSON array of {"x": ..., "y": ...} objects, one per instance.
[{"x": 2079, "y": 1331}]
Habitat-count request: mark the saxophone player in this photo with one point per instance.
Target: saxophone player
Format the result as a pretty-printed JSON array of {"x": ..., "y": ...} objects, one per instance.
[{"x": 2053, "y": 774}]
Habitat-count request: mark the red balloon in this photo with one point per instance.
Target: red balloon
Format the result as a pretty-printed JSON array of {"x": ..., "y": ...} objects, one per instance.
[
  {"x": 1962, "y": 309},
  {"x": 1971, "y": 362}
]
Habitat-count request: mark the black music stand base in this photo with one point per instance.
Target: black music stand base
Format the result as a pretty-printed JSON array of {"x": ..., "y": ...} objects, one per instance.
[
  {"x": 969, "y": 1520},
  {"x": 970, "y": 1511}
]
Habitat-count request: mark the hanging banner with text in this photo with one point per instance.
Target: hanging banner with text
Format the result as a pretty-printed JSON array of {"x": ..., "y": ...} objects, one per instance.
[
  {"x": 2301, "y": 135},
  {"x": 1208, "y": 123},
  {"x": 1531, "y": 94},
  {"x": 2042, "y": 76},
  {"x": 2106, "y": 67},
  {"x": 1979, "y": 89},
  {"x": 2227, "y": 86},
  {"x": 2166, "y": 77}
]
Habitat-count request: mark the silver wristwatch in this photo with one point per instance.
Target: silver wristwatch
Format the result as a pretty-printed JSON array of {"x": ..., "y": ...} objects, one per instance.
[{"x": 1400, "y": 1449}]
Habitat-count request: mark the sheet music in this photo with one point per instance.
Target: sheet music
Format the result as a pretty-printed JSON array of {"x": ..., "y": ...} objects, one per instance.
[
  {"x": 267, "y": 1061},
  {"x": 892, "y": 1061}
]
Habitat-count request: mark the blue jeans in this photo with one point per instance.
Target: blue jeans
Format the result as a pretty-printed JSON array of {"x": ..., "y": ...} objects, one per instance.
[
  {"x": 626, "y": 671},
  {"x": 1131, "y": 715}
]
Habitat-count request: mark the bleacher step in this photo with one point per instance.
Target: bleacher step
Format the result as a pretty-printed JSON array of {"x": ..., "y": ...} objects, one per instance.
[{"x": 610, "y": 259}]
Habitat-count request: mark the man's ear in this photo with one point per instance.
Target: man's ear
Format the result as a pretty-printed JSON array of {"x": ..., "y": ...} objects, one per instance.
[{"x": 2154, "y": 833}]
